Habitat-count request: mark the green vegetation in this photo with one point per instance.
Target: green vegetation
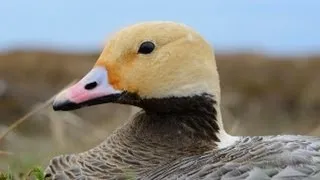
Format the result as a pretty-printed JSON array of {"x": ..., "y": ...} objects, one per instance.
[
  {"x": 35, "y": 173},
  {"x": 6, "y": 175}
]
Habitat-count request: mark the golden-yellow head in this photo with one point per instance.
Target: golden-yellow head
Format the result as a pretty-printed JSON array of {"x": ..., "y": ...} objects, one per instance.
[{"x": 151, "y": 60}]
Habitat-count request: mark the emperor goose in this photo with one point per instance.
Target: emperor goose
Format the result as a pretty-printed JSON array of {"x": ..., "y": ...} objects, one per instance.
[{"x": 169, "y": 71}]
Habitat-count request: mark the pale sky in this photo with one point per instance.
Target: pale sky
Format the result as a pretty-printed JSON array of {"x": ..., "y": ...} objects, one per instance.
[{"x": 279, "y": 26}]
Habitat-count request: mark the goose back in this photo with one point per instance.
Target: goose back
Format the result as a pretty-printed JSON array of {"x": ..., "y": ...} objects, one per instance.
[{"x": 260, "y": 157}]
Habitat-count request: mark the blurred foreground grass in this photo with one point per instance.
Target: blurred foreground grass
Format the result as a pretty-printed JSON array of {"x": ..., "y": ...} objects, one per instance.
[
  {"x": 36, "y": 173},
  {"x": 261, "y": 95}
]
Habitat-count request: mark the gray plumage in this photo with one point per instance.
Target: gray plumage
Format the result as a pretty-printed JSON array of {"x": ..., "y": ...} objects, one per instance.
[
  {"x": 179, "y": 133},
  {"x": 144, "y": 143},
  {"x": 270, "y": 157},
  {"x": 147, "y": 149}
]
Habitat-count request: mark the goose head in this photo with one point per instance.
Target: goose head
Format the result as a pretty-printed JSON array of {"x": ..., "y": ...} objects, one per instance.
[{"x": 148, "y": 60}]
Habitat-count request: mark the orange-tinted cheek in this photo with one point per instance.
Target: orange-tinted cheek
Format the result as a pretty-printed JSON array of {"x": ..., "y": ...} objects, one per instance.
[
  {"x": 114, "y": 76},
  {"x": 113, "y": 73},
  {"x": 115, "y": 70},
  {"x": 100, "y": 62}
]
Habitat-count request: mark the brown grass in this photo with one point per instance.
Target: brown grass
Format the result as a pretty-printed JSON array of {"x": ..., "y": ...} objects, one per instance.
[{"x": 261, "y": 95}]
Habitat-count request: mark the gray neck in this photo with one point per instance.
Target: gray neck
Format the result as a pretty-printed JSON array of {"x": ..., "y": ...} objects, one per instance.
[{"x": 152, "y": 138}]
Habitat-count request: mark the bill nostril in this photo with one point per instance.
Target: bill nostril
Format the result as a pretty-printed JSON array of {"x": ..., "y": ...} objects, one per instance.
[{"x": 91, "y": 85}]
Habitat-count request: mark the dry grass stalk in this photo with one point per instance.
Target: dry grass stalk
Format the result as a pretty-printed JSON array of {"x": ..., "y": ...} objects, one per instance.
[
  {"x": 315, "y": 131},
  {"x": 5, "y": 153},
  {"x": 25, "y": 117}
]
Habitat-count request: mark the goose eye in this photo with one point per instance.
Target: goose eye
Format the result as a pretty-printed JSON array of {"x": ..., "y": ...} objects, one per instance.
[{"x": 146, "y": 47}]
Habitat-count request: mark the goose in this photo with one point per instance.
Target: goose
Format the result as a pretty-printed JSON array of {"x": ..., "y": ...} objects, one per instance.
[{"x": 169, "y": 71}]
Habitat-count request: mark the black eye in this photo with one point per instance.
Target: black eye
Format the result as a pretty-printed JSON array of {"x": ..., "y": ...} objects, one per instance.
[{"x": 146, "y": 47}]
